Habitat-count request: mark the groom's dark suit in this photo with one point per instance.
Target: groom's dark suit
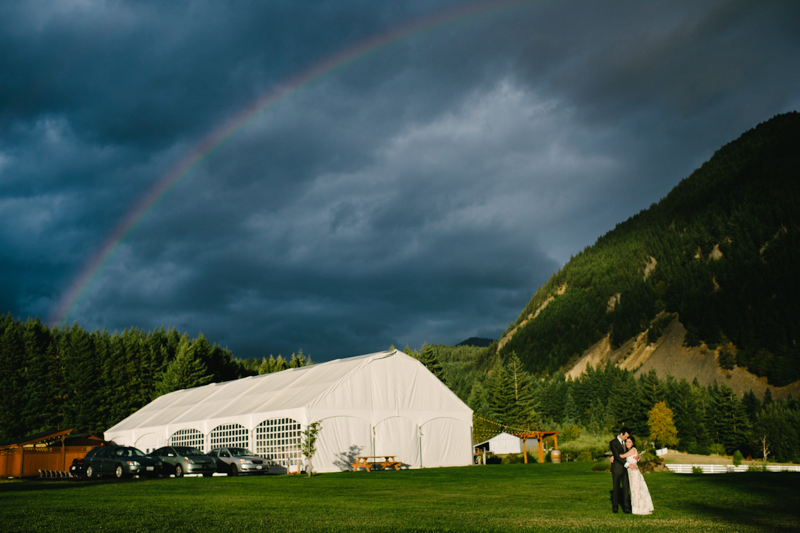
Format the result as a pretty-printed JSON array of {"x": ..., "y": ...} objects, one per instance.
[{"x": 619, "y": 474}]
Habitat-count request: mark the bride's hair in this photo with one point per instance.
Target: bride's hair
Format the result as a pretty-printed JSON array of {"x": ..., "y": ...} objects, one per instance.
[{"x": 633, "y": 441}]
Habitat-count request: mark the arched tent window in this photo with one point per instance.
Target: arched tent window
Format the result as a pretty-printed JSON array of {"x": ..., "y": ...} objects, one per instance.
[
  {"x": 230, "y": 435},
  {"x": 188, "y": 437},
  {"x": 278, "y": 439},
  {"x": 149, "y": 442}
]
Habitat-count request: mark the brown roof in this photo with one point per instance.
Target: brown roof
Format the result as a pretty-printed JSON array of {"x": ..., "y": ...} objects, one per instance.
[{"x": 33, "y": 439}]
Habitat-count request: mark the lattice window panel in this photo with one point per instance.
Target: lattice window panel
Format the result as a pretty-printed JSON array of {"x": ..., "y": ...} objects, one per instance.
[
  {"x": 279, "y": 440},
  {"x": 230, "y": 435},
  {"x": 188, "y": 437}
]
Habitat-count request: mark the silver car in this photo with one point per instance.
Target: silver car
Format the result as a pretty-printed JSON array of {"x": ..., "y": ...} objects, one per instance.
[
  {"x": 180, "y": 460},
  {"x": 239, "y": 460}
]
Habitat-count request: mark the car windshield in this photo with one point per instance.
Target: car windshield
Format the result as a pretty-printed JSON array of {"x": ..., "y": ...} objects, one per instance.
[
  {"x": 241, "y": 452},
  {"x": 130, "y": 452},
  {"x": 187, "y": 450}
]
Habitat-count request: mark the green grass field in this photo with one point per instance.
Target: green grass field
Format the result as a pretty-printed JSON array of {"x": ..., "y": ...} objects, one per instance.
[{"x": 567, "y": 497}]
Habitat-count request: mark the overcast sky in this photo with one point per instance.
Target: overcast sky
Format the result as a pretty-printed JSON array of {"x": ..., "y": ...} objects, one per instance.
[{"x": 417, "y": 192}]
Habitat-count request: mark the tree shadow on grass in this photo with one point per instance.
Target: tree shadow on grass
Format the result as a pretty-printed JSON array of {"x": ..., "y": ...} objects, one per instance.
[
  {"x": 39, "y": 485},
  {"x": 763, "y": 501}
]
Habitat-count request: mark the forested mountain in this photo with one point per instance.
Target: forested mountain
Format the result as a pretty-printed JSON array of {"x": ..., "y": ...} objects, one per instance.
[
  {"x": 68, "y": 377},
  {"x": 589, "y": 409},
  {"x": 720, "y": 253}
]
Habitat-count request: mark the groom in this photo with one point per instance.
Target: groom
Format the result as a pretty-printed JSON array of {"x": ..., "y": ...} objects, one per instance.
[{"x": 619, "y": 474}]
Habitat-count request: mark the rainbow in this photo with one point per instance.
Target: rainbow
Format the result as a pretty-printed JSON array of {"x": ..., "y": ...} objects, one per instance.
[{"x": 219, "y": 137}]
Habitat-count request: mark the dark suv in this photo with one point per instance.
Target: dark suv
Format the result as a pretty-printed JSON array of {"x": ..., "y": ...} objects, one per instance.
[{"x": 120, "y": 461}]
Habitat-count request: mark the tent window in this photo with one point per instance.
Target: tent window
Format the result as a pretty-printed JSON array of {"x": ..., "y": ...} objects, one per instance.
[
  {"x": 230, "y": 436},
  {"x": 187, "y": 437},
  {"x": 279, "y": 440}
]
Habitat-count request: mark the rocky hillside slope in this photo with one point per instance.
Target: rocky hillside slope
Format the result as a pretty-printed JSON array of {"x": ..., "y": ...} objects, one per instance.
[{"x": 702, "y": 284}]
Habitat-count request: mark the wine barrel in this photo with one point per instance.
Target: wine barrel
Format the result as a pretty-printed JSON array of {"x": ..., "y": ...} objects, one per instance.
[{"x": 555, "y": 456}]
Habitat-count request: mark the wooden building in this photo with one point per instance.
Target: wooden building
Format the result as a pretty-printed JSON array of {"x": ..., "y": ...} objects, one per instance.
[{"x": 49, "y": 450}]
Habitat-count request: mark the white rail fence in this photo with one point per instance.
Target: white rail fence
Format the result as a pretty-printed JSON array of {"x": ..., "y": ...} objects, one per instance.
[{"x": 726, "y": 469}]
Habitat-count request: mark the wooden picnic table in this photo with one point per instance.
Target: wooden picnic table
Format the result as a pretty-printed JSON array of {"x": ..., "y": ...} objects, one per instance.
[{"x": 371, "y": 461}]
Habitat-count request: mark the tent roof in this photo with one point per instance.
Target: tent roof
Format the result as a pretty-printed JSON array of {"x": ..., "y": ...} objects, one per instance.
[{"x": 305, "y": 387}]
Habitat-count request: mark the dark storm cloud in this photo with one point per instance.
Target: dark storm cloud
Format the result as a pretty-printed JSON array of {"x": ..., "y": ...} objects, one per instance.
[{"x": 418, "y": 193}]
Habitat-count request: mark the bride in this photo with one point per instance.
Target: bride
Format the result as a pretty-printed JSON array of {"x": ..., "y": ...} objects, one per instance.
[{"x": 641, "y": 503}]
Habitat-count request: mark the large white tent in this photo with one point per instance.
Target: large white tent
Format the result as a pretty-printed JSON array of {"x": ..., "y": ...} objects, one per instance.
[{"x": 386, "y": 403}]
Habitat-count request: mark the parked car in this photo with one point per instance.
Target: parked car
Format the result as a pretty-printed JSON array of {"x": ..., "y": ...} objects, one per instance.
[
  {"x": 180, "y": 460},
  {"x": 236, "y": 460},
  {"x": 120, "y": 461}
]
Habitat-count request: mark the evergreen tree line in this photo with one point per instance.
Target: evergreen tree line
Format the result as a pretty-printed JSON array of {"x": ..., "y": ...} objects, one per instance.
[
  {"x": 726, "y": 244},
  {"x": 67, "y": 377},
  {"x": 706, "y": 420}
]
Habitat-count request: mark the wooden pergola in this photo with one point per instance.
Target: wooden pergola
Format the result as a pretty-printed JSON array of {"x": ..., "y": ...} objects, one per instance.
[{"x": 539, "y": 436}]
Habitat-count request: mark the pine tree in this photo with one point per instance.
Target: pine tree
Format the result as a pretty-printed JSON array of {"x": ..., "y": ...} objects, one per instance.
[
  {"x": 570, "y": 415},
  {"x": 12, "y": 382},
  {"x": 732, "y": 424},
  {"x": 767, "y": 397},
  {"x": 40, "y": 407},
  {"x": 752, "y": 405},
  {"x": 478, "y": 399},
  {"x": 523, "y": 411},
  {"x": 185, "y": 371},
  {"x": 81, "y": 374},
  {"x": 625, "y": 405},
  {"x": 774, "y": 423},
  {"x": 653, "y": 389},
  {"x": 428, "y": 358},
  {"x": 501, "y": 394},
  {"x": 299, "y": 360},
  {"x": 681, "y": 401}
]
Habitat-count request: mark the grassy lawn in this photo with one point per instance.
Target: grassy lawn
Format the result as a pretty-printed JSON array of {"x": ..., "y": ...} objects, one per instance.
[{"x": 566, "y": 497}]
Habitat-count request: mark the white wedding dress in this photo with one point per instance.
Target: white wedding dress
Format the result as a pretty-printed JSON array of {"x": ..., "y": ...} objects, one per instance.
[{"x": 641, "y": 503}]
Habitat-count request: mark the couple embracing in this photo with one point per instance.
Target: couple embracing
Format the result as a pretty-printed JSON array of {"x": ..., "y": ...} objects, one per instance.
[{"x": 625, "y": 475}]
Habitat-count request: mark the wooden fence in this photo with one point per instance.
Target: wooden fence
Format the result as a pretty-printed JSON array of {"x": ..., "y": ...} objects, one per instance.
[
  {"x": 728, "y": 469},
  {"x": 26, "y": 462}
]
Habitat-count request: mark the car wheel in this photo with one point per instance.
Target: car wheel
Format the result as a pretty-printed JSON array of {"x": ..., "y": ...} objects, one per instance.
[
  {"x": 90, "y": 472},
  {"x": 119, "y": 472},
  {"x": 178, "y": 471},
  {"x": 233, "y": 471}
]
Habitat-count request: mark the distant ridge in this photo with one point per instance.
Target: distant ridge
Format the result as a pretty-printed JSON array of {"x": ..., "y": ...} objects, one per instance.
[{"x": 480, "y": 342}]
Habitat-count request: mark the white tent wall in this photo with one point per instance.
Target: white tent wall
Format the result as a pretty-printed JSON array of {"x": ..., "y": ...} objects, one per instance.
[
  {"x": 399, "y": 436},
  {"x": 382, "y": 403},
  {"x": 341, "y": 440},
  {"x": 440, "y": 440}
]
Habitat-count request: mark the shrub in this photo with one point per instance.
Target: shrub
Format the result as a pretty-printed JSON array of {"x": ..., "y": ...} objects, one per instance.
[
  {"x": 570, "y": 433},
  {"x": 648, "y": 455},
  {"x": 516, "y": 458},
  {"x": 703, "y": 450},
  {"x": 697, "y": 470},
  {"x": 601, "y": 466},
  {"x": 737, "y": 458},
  {"x": 717, "y": 448},
  {"x": 584, "y": 456},
  {"x": 596, "y": 445},
  {"x": 493, "y": 460}
]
